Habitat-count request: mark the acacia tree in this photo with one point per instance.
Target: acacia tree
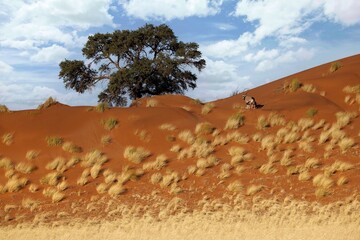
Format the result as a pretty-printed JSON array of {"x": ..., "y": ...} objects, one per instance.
[{"x": 143, "y": 62}]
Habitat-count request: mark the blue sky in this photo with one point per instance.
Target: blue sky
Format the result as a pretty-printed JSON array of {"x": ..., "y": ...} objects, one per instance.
[{"x": 245, "y": 43}]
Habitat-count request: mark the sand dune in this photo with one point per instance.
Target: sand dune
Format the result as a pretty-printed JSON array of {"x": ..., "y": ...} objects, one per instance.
[{"x": 301, "y": 146}]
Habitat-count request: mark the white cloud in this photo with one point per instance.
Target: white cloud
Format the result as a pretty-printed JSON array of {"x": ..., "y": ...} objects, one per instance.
[
  {"x": 52, "y": 54},
  {"x": 5, "y": 68},
  {"x": 302, "y": 54},
  {"x": 225, "y": 26},
  {"x": 218, "y": 80},
  {"x": 344, "y": 12},
  {"x": 31, "y": 24},
  {"x": 261, "y": 55},
  {"x": 170, "y": 9}
]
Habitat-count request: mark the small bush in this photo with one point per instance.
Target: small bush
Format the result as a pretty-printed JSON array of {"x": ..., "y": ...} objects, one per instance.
[
  {"x": 204, "y": 128},
  {"x": 335, "y": 66},
  {"x": 71, "y": 147},
  {"x": 308, "y": 88},
  {"x": 262, "y": 123},
  {"x": 253, "y": 189},
  {"x": 152, "y": 103},
  {"x": 186, "y": 136},
  {"x": 48, "y": 103},
  {"x": 235, "y": 186},
  {"x": 8, "y": 138},
  {"x": 31, "y": 155},
  {"x": 167, "y": 126},
  {"x": 25, "y": 167},
  {"x": 57, "y": 197},
  {"x": 94, "y": 157},
  {"x": 207, "y": 108},
  {"x": 323, "y": 181},
  {"x": 235, "y": 121},
  {"x": 106, "y": 139},
  {"x": 101, "y": 107},
  {"x": 4, "y": 108},
  {"x": 136, "y": 154},
  {"x": 110, "y": 123},
  {"x": 311, "y": 112},
  {"x": 292, "y": 86},
  {"x": 54, "y": 141}
]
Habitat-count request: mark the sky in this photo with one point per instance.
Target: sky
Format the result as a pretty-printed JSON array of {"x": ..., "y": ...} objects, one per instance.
[{"x": 246, "y": 43}]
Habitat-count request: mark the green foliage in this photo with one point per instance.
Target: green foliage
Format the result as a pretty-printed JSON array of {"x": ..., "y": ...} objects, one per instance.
[
  {"x": 143, "y": 62},
  {"x": 311, "y": 112}
]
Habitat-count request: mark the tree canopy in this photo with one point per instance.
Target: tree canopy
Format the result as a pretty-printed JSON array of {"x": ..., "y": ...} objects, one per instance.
[{"x": 143, "y": 62}]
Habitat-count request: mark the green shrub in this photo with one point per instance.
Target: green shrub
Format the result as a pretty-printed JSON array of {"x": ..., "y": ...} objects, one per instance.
[{"x": 311, "y": 112}]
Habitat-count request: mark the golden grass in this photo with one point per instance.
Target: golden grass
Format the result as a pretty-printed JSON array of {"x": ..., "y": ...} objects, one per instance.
[
  {"x": 292, "y": 86},
  {"x": 71, "y": 147},
  {"x": 207, "y": 108},
  {"x": 204, "y": 128},
  {"x": 29, "y": 204},
  {"x": 167, "y": 126},
  {"x": 312, "y": 163},
  {"x": 95, "y": 170},
  {"x": 48, "y": 103},
  {"x": 101, "y": 107},
  {"x": 335, "y": 66},
  {"x": 156, "y": 178},
  {"x": 109, "y": 123},
  {"x": 235, "y": 186},
  {"x": 253, "y": 189},
  {"x": 344, "y": 118},
  {"x": 102, "y": 188},
  {"x": 106, "y": 139},
  {"x": 305, "y": 123},
  {"x": 308, "y": 88},
  {"x": 57, "y": 197},
  {"x": 268, "y": 168},
  {"x": 152, "y": 103},
  {"x": 143, "y": 135},
  {"x": 346, "y": 143},
  {"x": 342, "y": 181},
  {"x": 186, "y": 136},
  {"x": 176, "y": 148},
  {"x": 116, "y": 189},
  {"x": 15, "y": 184},
  {"x": 62, "y": 186},
  {"x": 322, "y": 181},
  {"x": 352, "y": 89},
  {"x": 4, "y": 108},
  {"x": 33, "y": 188},
  {"x": 304, "y": 176},
  {"x": 82, "y": 181},
  {"x": 235, "y": 121},
  {"x": 92, "y": 158},
  {"x": 25, "y": 167},
  {"x": 160, "y": 162},
  {"x": 262, "y": 123},
  {"x": 32, "y": 154},
  {"x": 136, "y": 154},
  {"x": 58, "y": 164},
  {"x": 54, "y": 141},
  {"x": 7, "y": 138},
  {"x": 6, "y": 163},
  {"x": 51, "y": 178}
]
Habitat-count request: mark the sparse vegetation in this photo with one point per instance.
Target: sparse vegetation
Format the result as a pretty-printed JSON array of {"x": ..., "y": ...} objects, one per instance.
[
  {"x": 4, "y": 108},
  {"x": 106, "y": 139},
  {"x": 311, "y": 112},
  {"x": 54, "y": 141},
  {"x": 235, "y": 121},
  {"x": 25, "y": 167},
  {"x": 335, "y": 66},
  {"x": 32, "y": 154},
  {"x": 71, "y": 147},
  {"x": 48, "y": 103},
  {"x": 207, "y": 108},
  {"x": 167, "y": 126},
  {"x": 292, "y": 86},
  {"x": 109, "y": 123},
  {"x": 101, "y": 107},
  {"x": 152, "y": 103},
  {"x": 136, "y": 154},
  {"x": 308, "y": 88},
  {"x": 8, "y": 138}
]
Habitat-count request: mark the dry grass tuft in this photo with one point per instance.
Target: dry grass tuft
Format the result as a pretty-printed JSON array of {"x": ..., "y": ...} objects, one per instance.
[
  {"x": 51, "y": 178},
  {"x": 6, "y": 163},
  {"x": 209, "y": 162},
  {"x": 235, "y": 186},
  {"x": 15, "y": 184},
  {"x": 58, "y": 164},
  {"x": 311, "y": 112},
  {"x": 62, "y": 186},
  {"x": 268, "y": 168},
  {"x": 106, "y": 139},
  {"x": 158, "y": 164},
  {"x": 32, "y": 154},
  {"x": 109, "y": 123},
  {"x": 71, "y": 147},
  {"x": 95, "y": 170},
  {"x": 305, "y": 123},
  {"x": 207, "y": 108},
  {"x": 143, "y": 135},
  {"x": 102, "y": 188},
  {"x": 116, "y": 189},
  {"x": 176, "y": 148},
  {"x": 308, "y": 88},
  {"x": 204, "y": 128},
  {"x": 4, "y": 108},
  {"x": 54, "y": 141},
  {"x": 292, "y": 86},
  {"x": 253, "y": 189},
  {"x": 94, "y": 157},
  {"x": 82, "y": 181},
  {"x": 57, "y": 197},
  {"x": 101, "y": 107},
  {"x": 48, "y": 103},
  {"x": 29, "y": 204},
  {"x": 335, "y": 66},
  {"x": 152, "y": 103},
  {"x": 312, "y": 163},
  {"x": 304, "y": 176},
  {"x": 187, "y": 136},
  {"x": 262, "y": 123},
  {"x": 33, "y": 188},
  {"x": 156, "y": 178},
  {"x": 322, "y": 181},
  {"x": 268, "y": 143},
  {"x": 167, "y": 126},
  {"x": 136, "y": 154},
  {"x": 344, "y": 119},
  {"x": 25, "y": 167},
  {"x": 8, "y": 138},
  {"x": 346, "y": 143},
  {"x": 235, "y": 121}
]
